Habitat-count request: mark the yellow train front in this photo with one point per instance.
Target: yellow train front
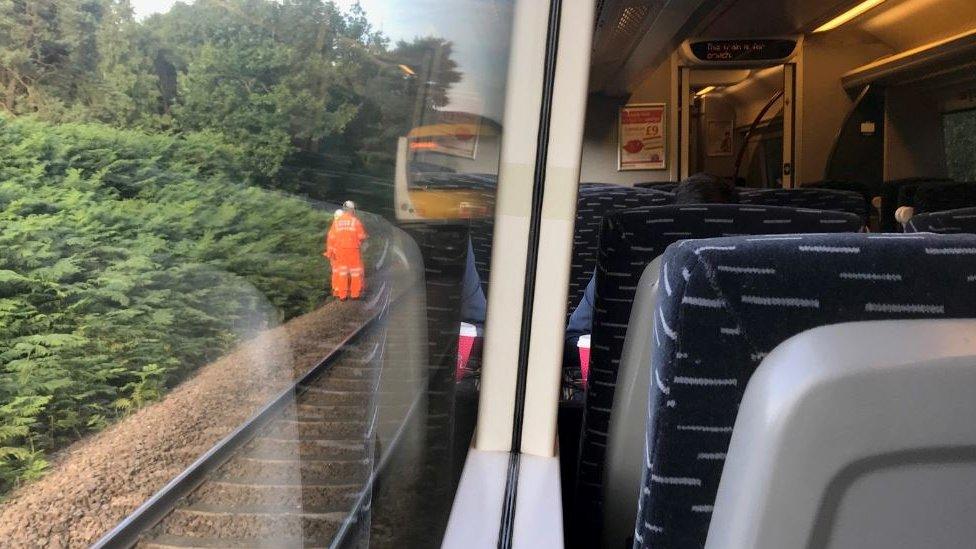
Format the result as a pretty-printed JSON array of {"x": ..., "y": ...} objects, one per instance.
[{"x": 442, "y": 169}]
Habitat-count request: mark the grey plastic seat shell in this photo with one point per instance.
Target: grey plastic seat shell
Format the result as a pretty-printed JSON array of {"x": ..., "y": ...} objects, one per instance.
[
  {"x": 625, "y": 452},
  {"x": 855, "y": 435}
]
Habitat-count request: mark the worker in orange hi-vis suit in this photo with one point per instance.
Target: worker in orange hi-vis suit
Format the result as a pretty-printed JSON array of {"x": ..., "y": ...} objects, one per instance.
[{"x": 342, "y": 248}]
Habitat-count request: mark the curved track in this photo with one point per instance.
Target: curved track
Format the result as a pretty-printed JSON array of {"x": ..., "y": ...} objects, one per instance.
[{"x": 300, "y": 472}]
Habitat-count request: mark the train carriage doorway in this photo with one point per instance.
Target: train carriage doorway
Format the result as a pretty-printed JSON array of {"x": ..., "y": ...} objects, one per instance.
[{"x": 738, "y": 116}]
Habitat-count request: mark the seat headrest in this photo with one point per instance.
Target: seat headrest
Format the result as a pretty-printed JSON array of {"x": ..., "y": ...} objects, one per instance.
[
  {"x": 821, "y": 199},
  {"x": 962, "y": 220},
  {"x": 940, "y": 197}
]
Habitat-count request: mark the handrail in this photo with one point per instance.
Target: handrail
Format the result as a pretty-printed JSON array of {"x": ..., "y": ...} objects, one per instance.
[{"x": 755, "y": 123}]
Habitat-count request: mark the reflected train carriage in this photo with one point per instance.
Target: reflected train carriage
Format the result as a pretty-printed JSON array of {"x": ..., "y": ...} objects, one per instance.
[
  {"x": 444, "y": 170},
  {"x": 657, "y": 274}
]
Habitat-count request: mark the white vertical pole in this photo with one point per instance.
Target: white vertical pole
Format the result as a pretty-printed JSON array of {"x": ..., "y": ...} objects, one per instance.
[
  {"x": 684, "y": 97},
  {"x": 513, "y": 205},
  {"x": 564, "y": 152},
  {"x": 788, "y": 169}
]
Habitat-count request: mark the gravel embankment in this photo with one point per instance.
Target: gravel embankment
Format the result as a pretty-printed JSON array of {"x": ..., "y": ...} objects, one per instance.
[{"x": 95, "y": 483}]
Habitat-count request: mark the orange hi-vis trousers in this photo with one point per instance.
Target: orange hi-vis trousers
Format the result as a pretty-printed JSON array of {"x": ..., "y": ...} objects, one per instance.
[{"x": 348, "y": 275}]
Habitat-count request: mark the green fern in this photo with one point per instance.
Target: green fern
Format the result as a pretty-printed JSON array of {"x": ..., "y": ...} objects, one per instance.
[{"x": 125, "y": 265}]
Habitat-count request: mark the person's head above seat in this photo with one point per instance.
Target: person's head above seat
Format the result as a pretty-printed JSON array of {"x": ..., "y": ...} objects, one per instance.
[{"x": 703, "y": 188}]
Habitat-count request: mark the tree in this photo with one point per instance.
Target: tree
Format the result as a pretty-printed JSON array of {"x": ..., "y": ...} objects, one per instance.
[
  {"x": 48, "y": 54},
  {"x": 128, "y": 91}
]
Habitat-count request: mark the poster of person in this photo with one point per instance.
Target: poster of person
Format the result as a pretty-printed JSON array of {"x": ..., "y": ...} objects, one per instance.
[
  {"x": 719, "y": 138},
  {"x": 642, "y": 137}
]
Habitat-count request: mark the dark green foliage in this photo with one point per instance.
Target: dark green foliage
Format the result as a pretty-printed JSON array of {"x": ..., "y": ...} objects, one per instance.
[
  {"x": 127, "y": 260},
  {"x": 312, "y": 97}
]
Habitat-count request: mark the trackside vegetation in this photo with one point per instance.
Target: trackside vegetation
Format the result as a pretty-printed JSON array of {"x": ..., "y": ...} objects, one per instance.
[
  {"x": 149, "y": 175},
  {"x": 126, "y": 261}
]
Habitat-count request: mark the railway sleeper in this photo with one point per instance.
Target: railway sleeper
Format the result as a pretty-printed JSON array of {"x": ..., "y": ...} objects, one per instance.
[
  {"x": 331, "y": 412},
  {"x": 320, "y": 396},
  {"x": 336, "y": 496},
  {"x": 290, "y": 448},
  {"x": 251, "y": 522},
  {"x": 317, "y": 429},
  {"x": 167, "y": 541},
  {"x": 365, "y": 384},
  {"x": 295, "y": 471}
]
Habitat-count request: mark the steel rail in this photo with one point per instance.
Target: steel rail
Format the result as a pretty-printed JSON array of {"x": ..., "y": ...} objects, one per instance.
[
  {"x": 363, "y": 498},
  {"x": 127, "y": 533}
]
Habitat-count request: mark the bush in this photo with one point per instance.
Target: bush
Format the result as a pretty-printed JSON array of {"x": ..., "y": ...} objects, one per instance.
[{"x": 126, "y": 261}]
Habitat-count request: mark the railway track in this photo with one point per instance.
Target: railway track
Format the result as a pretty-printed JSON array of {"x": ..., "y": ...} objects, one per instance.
[{"x": 301, "y": 471}]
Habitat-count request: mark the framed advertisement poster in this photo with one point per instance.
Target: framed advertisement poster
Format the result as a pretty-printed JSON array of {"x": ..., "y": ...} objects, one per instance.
[
  {"x": 642, "y": 137},
  {"x": 719, "y": 137}
]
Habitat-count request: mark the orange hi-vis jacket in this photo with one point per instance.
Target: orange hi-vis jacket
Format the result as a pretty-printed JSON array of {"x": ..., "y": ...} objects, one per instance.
[
  {"x": 346, "y": 233},
  {"x": 342, "y": 247}
]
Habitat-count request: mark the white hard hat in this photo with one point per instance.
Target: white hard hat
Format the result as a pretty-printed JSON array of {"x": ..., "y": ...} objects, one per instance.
[
  {"x": 338, "y": 213},
  {"x": 349, "y": 205}
]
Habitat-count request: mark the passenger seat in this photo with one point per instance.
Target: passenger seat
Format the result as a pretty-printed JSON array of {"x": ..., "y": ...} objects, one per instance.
[
  {"x": 630, "y": 241},
  {"x": 893, "y": 198},
  {"x": 817, "y": 199},
  {"x": 940, "y": 197},
  {"x": 724, "y": 305},
  {"x": 962, "y": 220},
  {"x": 596, "y": 200}
]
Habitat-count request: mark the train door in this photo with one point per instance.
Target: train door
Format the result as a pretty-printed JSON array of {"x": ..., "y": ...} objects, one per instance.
[{"x": 737, "y": 106}]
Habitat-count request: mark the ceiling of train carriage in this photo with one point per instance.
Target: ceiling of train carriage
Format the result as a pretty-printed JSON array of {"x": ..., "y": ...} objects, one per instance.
[
  {"x": 633, "y": 36},
  {"x": 901, "y": 24},
  {"x": 906, "y": 24},
  {"x": 763, "y": 18}
]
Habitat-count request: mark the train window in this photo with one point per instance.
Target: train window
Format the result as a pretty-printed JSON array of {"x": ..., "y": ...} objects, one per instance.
[
  {"x": 243, "y": 267},
  {"x": 960, "y": 143}
]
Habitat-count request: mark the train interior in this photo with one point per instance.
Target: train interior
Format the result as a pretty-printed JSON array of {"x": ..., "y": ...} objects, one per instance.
[{"x": 861, "y": 111}]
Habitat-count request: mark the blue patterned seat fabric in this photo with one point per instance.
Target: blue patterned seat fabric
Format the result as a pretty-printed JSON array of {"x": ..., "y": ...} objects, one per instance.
[
  {"x": 725, "y": 303},
  {"x": 893, "y": 196},
  {"x": 867, "y": 190},
  {"x": 665, "y": 186},
  {"x": 962, "y": 220},
  {"x": 481, "y": 232},
  {"x": 596, "y": 200},
  {"x": 629, "y": 241},
  {"x": 818, "y": 199},
  {"x": 593, "y": 202}
]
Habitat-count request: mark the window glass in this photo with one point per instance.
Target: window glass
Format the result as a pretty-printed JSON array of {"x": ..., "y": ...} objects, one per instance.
[
  {"x": 960, "y": 140},
  {"x": 245, "y": 241}
]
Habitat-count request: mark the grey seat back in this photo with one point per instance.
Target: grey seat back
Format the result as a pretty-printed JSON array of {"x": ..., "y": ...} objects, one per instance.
[
  {"x": 855, "y": 436},
  {"x": 729, "y": 302}
]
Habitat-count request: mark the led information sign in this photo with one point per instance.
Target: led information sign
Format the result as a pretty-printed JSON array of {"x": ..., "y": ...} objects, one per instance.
[{"x": 726, "y": 51}]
